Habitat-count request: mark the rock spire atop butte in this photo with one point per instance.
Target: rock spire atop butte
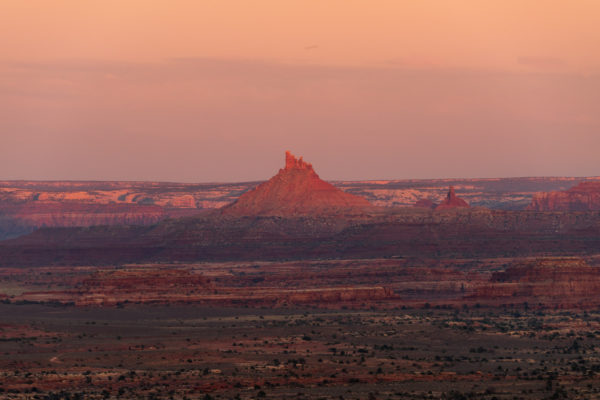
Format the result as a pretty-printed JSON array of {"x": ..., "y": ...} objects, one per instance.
[
  {"x": 296, "y": 190},
  {"x": 292, "y": 162},
  {"x": 452, "y": 201}
]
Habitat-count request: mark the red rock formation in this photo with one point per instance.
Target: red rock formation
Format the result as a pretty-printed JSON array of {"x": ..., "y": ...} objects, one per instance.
[
  {"x": 425, "y": 203},
  {"x": 296, "y": 190},
  {"x": 26, "y": 205},
  {"x": 562, "y": 281},
  {"x": 583, "y": 197},
  {"x": 452, "y": 201}
]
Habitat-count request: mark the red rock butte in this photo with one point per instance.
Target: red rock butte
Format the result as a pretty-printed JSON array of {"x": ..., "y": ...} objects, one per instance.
[
  {"x": 452, "y": 201},
  {"x": 583, "y": 197},
  {"x": 296, "y": 190}
]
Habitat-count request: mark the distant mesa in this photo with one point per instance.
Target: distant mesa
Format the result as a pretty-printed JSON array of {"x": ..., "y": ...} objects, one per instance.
[
  {"x": 296, "y": 190},
  {"x": 583, "y": 197},
  {"x": 425, "y": 203}
]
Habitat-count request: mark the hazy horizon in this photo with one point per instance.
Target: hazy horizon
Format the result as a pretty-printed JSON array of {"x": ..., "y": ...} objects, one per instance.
[
  {"x": 216, "y": 92},
  {"x": 375, "y": 179}
]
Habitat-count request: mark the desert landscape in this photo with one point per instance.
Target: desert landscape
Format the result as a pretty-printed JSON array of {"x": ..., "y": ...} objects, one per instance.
[
  {"x": 299, "y": 200},
  {"x": 298, "y": 289}
]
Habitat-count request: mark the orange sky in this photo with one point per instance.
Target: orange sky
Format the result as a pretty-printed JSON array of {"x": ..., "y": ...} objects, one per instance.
[{"x": 217, "y": 90}]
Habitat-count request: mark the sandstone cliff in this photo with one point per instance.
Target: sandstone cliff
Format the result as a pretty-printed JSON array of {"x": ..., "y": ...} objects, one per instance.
[
  {"x": 583, "y": 197},
  {"x": 562, "y": 281}
]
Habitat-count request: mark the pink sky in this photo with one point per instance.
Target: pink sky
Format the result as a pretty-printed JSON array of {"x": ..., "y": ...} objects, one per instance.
[{"x": 217, "y": 90}]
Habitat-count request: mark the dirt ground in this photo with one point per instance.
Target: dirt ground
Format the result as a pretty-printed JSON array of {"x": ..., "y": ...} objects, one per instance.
[{"x": 192, "y": 351}]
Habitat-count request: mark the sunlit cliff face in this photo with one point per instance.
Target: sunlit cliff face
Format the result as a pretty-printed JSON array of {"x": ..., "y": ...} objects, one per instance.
[{"x": 205, "y": 91}]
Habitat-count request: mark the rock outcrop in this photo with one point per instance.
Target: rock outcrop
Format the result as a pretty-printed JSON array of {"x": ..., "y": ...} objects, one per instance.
[
  {"x": 560, "y": 281},
  {"x": 583, "y": 197},
  {"x": 296, "y": 190},
  {"x": 425, "y": 203},
  {"x": 452, "y": 201}
]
